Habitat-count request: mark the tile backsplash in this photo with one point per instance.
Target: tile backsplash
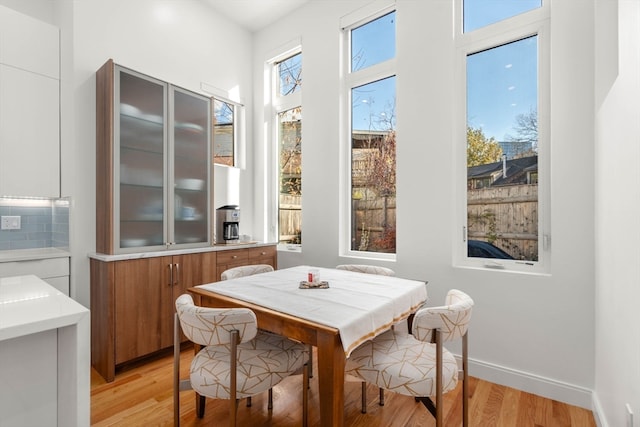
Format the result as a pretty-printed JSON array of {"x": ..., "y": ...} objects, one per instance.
[{"x": 44, "y": 223}]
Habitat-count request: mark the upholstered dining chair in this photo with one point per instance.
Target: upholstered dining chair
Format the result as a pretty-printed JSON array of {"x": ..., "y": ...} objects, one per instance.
[
  {"x": 368, "y": 269},
  {"x": 418, "y": 365},
  {"x": 245, "y": 270},
  {"x": 248, "y": 270},
  {"x": 236, "y": 360}
]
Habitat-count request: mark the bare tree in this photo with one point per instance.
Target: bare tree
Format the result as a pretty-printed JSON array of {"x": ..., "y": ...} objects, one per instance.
[{"x": 526, "y": 128}]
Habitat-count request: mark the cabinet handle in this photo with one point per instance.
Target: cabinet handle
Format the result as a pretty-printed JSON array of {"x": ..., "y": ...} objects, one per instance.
[
  {"x": 170, "y": 274},
  {"x": 234, "y": 256},
  {"x": 263, "y": 253},
  {"x": 177, "y": 274}
]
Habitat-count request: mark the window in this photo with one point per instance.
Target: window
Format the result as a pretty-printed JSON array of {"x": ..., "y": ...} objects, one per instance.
[
  {"x": 290, "y": 179},
  {"x": 479, "y": 13},
  {"x": 506, "y": 207},
  {"x": 290, "y": 75},
  {"x": 224, "y": 135},
  {"x": 371, "y": 85},
  {"x": 287, "y": 98}
]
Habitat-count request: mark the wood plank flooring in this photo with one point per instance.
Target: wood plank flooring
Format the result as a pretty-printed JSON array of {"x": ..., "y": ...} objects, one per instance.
[{"x": 141, "y": 395}]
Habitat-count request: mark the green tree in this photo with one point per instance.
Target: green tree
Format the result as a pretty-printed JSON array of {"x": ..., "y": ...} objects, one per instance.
[{"x": 481, "y": 150}]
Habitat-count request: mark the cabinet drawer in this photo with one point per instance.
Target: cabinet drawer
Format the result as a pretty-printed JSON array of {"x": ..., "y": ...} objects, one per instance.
[
  {"x": 43, "y": 268},
  {"x": 267, "y": 252},
  {"x": 233, "y": 256}
]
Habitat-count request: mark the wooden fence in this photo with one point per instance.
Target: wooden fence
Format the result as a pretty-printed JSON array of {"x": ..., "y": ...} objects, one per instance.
[
  {"x": 290, "y": 218},
  {"x": 506, "y": 217}
]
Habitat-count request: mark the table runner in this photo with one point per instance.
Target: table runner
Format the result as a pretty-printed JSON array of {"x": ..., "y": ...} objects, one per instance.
[{"x": 360, "y": 306}]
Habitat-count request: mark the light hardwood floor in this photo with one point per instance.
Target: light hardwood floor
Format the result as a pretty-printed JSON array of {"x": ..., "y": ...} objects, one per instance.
[{"x": 141, "y": 395}]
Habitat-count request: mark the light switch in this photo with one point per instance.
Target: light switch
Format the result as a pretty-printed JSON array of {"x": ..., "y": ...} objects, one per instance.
[{"x": 10, "y": 222}]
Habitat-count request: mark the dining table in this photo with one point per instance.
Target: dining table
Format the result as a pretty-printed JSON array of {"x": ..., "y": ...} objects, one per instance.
[{"x": 336, "y": 313}]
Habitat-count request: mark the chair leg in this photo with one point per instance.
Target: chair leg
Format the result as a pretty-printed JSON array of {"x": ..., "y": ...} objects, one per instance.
[
  {"x": 176, "y": 370},
  {"x": 200, "y": 404},
  {"x": 305, "y": 395},
  {"x": 465, "y": 381},
  {"x": 270, "y": 403},
  {"x": 439, "y": 408},
  {"x": 381, "y": 392},
  {"x": 233, "y": 366},
  {"x": 249, "y": 401},
  {"x": 364, "y": 398}
]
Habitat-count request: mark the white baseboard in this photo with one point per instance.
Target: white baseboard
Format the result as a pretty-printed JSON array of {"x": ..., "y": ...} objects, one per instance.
[
  {"x": 597, "y": 412},
  {"x": 535, "y": 384}
]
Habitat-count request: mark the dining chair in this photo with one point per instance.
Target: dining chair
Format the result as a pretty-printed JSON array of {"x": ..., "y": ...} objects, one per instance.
[
  {"x": 236, "y": 360},
  {"x": 381, "y": 271},
  {"x": 245, "y": 270},
  {"x": 418, "y": 365},
  {"x": 369, "y": 269},
  {"x": 248, "y": 270}
]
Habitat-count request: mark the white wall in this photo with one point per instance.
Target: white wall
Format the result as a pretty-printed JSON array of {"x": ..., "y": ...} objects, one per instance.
[
  {"x": 533, "y": 332},
  {"x": 617, "y": 351},
  {"x": 44, "y": 10},
  {"x": 188, "y": 46}
]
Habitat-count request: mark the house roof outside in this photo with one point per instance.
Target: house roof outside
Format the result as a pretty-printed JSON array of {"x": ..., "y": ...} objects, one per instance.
[{"x": 517, "y": 171}]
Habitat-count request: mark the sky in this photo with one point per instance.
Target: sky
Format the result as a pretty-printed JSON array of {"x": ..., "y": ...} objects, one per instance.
[
  {"x": 501, "y": 82},
  {"x": 372, "y": 44}
]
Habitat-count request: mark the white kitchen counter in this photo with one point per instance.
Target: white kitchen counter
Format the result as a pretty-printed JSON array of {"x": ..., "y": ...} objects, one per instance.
[{"x": 44, "y": 355}]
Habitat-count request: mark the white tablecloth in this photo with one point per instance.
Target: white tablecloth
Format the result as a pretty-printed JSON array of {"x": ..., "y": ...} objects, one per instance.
[{"x": 359, "y": 305}]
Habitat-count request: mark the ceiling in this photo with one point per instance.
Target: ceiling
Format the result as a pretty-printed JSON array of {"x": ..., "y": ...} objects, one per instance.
[{"x": 255, "y": 14}]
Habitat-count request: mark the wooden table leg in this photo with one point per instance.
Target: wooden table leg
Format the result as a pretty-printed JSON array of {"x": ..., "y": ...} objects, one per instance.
[{"x": 331, "y": 363}]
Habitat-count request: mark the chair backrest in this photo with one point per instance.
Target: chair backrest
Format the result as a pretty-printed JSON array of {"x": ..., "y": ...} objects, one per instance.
[
  {"x": 212, "y": 326},
  {"x": 452, "y": 319},
  {"x": 245, "y": 270},
  {"x": 369, "y": 269}
]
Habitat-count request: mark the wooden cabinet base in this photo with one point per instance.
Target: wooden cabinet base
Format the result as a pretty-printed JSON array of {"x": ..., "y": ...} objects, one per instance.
[
  {"x": 132, "y": 305},
  {"x": 132, "y": 301}
]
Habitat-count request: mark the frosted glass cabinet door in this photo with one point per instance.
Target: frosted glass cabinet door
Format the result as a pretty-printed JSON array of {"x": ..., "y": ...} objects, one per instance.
[
  {"x": 140, "y": 123},
  {"x": 190, "y": 168}
]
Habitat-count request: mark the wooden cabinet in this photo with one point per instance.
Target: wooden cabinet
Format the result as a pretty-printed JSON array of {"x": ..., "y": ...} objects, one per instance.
[
  {"x": 248, "y": 256},
  {"x": 29, "y": 106},
  {"x": 153, "y": 170},
  {"x": 132, "y": 304}
]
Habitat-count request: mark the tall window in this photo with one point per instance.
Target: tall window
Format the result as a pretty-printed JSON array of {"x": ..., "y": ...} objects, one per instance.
[
  {"x": 371, "y": 83},
  {"x": 287, "y": 102},
  {"x": 224, "y": 132},
  {"x": 506, "y": 81}
]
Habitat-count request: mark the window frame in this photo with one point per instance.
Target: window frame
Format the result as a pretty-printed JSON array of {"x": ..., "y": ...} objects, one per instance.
[
  {"x": 279, "y": 104},
  {"x": 534, "y": 22},
  {"x": 351, "y": 80},
  {"x": 238, "y": 119}
]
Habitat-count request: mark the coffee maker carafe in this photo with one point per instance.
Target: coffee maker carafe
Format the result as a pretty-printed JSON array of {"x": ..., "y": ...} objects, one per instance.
[{"x": 228, "y": 224}]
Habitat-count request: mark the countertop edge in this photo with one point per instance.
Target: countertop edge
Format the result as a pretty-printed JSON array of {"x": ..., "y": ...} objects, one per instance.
[
  {"x": 66, "y": 311},
  {"x": 153, "y": 254}
]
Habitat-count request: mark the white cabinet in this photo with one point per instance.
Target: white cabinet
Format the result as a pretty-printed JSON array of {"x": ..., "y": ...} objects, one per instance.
[
  {"x": 29, "y": 44},
  {"x": 54, "y": 271},
  {"x": 29, "y": 106},
  {"x": 29, "y": 134}
]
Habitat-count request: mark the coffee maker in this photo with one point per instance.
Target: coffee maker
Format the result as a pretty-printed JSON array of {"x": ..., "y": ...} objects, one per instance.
[{"x": 227, "y": 224}]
